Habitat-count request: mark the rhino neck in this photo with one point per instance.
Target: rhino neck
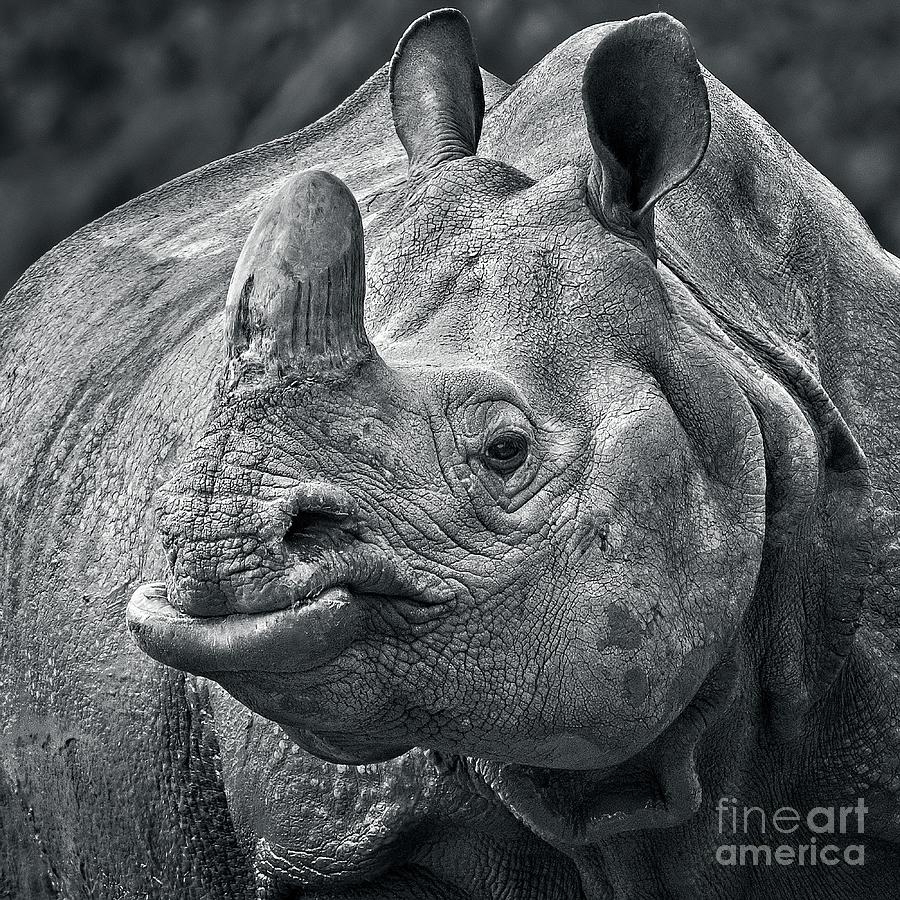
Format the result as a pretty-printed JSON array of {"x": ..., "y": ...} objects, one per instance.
[
  {"x": 817, "y": 566},
  {"x": 656, "y": 788}
]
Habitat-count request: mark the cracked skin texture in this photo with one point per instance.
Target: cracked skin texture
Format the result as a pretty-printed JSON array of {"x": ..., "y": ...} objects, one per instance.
[{"x": 702, "y": 524}]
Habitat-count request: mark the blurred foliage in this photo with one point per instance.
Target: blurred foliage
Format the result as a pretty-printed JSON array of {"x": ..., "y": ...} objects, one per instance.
[{"x": 103, "y": 99}]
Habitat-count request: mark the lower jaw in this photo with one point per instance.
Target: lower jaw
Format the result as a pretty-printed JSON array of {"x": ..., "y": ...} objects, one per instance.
[
  {"x": 341, "y": 752},
  {"x": 656, "y": 788}
]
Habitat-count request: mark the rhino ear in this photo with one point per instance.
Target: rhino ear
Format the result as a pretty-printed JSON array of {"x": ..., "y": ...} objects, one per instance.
[
  {"x": 437, "y": 97},
  {"x": 648, "y": 120}
]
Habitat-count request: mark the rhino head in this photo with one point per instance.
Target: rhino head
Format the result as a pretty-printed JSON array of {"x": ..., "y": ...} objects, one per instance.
[{"x": 493, "y": 496}]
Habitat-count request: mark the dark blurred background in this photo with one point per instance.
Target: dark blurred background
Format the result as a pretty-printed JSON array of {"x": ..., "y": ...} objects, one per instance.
[{"x": 103, "y": 99}]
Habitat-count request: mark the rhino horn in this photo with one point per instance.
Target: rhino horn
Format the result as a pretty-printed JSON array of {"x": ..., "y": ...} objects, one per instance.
[
  {"x": 296, "y": 296},
  {"x": 437, "y": 95}
]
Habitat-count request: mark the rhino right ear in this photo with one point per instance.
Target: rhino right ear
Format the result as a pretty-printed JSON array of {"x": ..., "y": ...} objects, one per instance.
[
  {"x": 437, "y": 97},
  {"x": 648, "y": 120}
]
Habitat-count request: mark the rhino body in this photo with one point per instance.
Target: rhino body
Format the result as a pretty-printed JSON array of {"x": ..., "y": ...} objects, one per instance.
[{"x": 124, "y": 778}]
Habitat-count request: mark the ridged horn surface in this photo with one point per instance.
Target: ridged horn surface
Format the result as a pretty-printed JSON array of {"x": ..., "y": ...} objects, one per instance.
[{"x": 297, "y": 293}]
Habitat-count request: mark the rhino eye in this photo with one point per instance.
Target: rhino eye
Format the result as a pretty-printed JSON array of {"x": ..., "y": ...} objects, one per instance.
[{"x": 506, "y": 452}]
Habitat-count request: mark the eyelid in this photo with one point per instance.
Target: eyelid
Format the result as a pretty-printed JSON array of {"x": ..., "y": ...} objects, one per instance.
[
  {"x": 506, "y": 429},
  {"x": 505, "y": 415},
  {"x": 486, "y": 407}
]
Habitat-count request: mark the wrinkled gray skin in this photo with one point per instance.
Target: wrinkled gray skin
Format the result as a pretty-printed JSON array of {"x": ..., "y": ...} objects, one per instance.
[{"x": 683, "y": 591}]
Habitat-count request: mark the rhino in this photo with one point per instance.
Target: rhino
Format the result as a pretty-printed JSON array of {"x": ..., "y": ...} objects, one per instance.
[{"x": 498, "y": 482}]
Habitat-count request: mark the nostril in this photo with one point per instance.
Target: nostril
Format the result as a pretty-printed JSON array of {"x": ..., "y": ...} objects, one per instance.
[
  {"x": 317, "y": 510},
  {"x": 308, "y": 523}
]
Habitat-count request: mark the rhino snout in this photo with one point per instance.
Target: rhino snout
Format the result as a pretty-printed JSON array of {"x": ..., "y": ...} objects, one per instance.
[{"x": 238, "y": 555}]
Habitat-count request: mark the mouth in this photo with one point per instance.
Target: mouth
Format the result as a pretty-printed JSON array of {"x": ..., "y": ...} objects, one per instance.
[
  {"x": 300, "y": 636},
  {"x": 227, "y": 648},
  {"x": 329, "y": 604}
]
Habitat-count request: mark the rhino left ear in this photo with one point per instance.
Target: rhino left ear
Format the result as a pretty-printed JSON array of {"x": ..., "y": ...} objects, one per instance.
[
  {"x": 437, "y": 97},
  {"x": 648, "y": 120}
]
